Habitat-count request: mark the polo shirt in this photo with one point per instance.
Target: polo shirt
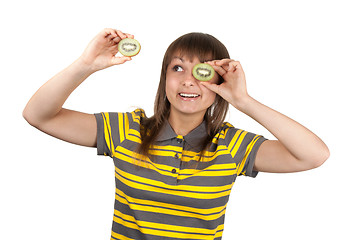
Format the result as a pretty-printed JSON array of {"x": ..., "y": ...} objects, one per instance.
[{"x": 172, "y": 195}]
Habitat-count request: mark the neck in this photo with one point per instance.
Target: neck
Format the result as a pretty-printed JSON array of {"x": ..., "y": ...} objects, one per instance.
[{"x": 182, "y": 124}]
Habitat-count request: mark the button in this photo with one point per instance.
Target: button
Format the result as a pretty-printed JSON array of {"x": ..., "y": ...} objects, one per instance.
[
  {"x": 173, "y": 171},
  {"x": 179, "y": 140}
]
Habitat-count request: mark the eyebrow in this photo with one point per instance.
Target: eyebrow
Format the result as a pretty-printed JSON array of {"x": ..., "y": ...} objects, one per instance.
[{"x": 176, "y": 57}]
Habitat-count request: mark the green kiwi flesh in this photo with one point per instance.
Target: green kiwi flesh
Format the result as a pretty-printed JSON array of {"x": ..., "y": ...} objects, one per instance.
[
  {"x": 129, "y": 47},
  {"x": 203, "y": 72}
]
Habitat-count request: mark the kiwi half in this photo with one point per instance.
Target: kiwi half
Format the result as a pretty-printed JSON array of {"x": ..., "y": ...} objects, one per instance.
[
  {"x": 129, "y": 47},
  {"x": 203, "y": 72}
]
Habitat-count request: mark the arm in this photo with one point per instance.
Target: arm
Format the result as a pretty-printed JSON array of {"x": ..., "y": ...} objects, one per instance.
[
  {"x": 297, "y": 148},
  {"x": 44, "y": 110}
]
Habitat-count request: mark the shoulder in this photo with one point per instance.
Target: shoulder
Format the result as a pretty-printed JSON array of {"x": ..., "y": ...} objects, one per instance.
[
  {"x": 137, "y": 115},
  {"x": 119, "y": 119},
  {"x": 115, "y": 127},
  {"x": 235, "y": 136},
  {"x": 227, "y": 131}
]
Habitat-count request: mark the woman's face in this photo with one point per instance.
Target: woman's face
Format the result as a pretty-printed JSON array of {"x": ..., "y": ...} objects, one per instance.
[{"x": 184, "y": 92}]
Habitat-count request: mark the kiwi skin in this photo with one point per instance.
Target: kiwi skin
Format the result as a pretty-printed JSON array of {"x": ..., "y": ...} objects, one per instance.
[
  {"x": 132, "y": 42},
  {"x": 204, "y": 67}
]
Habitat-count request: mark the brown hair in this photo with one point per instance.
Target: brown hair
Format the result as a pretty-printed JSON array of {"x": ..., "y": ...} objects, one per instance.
[{"x": 206, "y": 48}]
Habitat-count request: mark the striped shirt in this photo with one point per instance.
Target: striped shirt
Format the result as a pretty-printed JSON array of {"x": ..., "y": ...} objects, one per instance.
[{"x": 173, "y": 195}]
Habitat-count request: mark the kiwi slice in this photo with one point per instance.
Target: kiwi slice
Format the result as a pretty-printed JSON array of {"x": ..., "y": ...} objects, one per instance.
[
  {"x": 129, "y": 47},
  {"x": 203, "y": 72}
]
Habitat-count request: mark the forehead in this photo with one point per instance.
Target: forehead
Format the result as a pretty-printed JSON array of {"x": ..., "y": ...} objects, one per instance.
[
  {"x": 190, "y": 57},
  {"x": 184, "y": 59}
]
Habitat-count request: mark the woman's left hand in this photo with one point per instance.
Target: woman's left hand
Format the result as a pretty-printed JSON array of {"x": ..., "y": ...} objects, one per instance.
[
  {"x": 296, "y": 148},
  {"x": 233, "y": 89}
]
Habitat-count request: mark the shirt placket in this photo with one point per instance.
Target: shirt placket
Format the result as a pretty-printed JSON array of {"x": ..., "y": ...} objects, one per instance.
[{"x": 178, "y": 155}]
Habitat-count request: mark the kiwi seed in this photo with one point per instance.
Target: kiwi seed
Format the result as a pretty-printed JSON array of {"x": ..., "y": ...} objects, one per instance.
[
  {"x": 203, "y": 72},
  {"x": 129, "y": 47}
]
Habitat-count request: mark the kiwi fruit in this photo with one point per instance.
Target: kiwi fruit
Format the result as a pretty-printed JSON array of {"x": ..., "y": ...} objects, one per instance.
[
  {"x": 129, "y": 47},
  {"x": 203, "y": 72}
]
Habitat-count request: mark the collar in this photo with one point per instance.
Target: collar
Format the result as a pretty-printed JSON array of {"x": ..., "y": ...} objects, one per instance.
[{"x": 193, "y": 138}]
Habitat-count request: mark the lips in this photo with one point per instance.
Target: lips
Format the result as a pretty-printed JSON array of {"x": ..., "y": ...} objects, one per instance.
[{"x": 189, "y": 96}]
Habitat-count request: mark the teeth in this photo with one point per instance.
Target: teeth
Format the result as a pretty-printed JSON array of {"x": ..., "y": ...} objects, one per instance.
[{"x": 189, "y": 95}]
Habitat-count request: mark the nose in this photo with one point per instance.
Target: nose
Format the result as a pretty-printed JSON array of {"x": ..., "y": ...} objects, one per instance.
[{"x": 189, "y": 80}]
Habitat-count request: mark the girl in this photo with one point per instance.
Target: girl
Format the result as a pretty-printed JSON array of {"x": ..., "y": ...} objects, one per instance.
[{"x": 174, "y": 171}]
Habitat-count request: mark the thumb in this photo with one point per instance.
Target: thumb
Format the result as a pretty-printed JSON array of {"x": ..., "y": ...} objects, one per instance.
[
  {"x": 120, "y": 60},
  {"x": 211, "y": 86}
]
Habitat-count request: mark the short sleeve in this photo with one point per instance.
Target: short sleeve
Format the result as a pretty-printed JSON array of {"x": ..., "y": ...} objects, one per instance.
[
  {"x": 112, "y": 129},
  {"x": 243, "y": 147}
]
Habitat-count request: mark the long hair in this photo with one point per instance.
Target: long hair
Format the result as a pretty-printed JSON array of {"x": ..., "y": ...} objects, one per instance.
[{"x": 206, "y": 48}]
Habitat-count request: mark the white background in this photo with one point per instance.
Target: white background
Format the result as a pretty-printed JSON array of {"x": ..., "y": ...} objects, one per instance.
[{"x": 300, "y": 58}]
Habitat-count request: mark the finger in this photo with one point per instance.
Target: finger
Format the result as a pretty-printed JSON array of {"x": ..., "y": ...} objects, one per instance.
[
  {"x": 129, "y": 35},
  {"x": 116, "y": 40},
  {"x": 110, "y": 33},
  {"x": 233, "y": 66},
  {"x": 105, "y": 32},
  {"x": 221, "y": 71},
  {"x": 211, "y": 86},
  {"x": 110, "y": 37},
  {"x": 212, "y": 62},
  {"x": 120, "y": 60},
  {"x": 121, "y": 34},
  {"x": 113, "y": 40},
  {"x": 223, "y": 62},
  {"x": 237, "y": 66}
]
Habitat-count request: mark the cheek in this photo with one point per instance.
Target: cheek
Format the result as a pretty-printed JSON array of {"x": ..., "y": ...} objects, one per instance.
[
  {"x": 169, "y": 87},
  {"x": 215, "y": 79},
  {"x": 210, "y": 95}
]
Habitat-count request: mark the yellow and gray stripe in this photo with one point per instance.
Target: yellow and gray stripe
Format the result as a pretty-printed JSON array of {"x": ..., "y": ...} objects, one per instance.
[{"x": 173, "y": 195}]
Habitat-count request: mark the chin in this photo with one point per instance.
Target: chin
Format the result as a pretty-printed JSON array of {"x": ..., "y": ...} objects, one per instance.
[{"x": 189, "y": 110}]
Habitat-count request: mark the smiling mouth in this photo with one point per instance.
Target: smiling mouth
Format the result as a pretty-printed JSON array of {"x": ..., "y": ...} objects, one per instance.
[{"x": 189, "y": 95}]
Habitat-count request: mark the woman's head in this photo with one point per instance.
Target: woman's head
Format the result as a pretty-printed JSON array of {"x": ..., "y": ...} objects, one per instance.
[
  {"x": 202, "y": 47},
  {"x": 199, "y": 46}
]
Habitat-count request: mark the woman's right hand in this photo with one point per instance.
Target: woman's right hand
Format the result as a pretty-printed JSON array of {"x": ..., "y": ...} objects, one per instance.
[
  {"x": 45, "y": 109},
  {"x": 101, "y": 51}
]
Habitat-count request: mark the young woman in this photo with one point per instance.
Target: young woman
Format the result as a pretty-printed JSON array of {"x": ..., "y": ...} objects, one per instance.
[{"x": 174, "y": 171}]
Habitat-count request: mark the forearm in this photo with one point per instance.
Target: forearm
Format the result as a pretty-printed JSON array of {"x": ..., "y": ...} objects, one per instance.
[
  {"x": 49, "y": 99},
  {"x": 298, "y": 140}
]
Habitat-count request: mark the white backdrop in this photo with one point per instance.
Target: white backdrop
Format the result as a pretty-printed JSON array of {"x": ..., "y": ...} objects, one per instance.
[{"x": 300, "y": 58}]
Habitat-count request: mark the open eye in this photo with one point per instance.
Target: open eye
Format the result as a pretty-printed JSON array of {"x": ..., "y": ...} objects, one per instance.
[{"x": 177, "y": 68}]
